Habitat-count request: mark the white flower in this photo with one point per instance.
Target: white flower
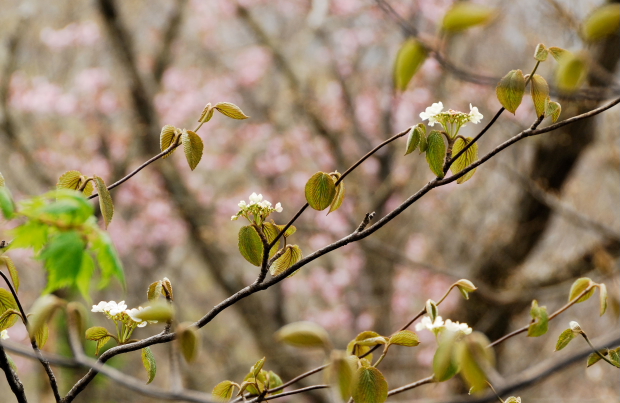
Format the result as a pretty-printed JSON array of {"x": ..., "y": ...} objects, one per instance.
[
  {"x": 100, "y": 307},
  {"x": 114, "y": 308},
  {"x": 474, "y": 116},
  {"x": 426, "y": 323},
  {"x": 233, "y": 218},
  {"x": 255, "y": 198},
  {"x": 265, "y": 204},
  {"x": 431, "y": 112},
  {"x": 278, "y": 207},
  {"x": 456, "y": 326},
  {"x": 4, "y": 334},
  {"x": 242, "y": 204}
]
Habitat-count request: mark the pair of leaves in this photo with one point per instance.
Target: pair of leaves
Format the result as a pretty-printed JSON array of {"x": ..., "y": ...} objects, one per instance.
[
  {"x": 192, "y": 144},
  {"x": 252, "y": 248},
  {"x": 160, "y": 288},
  {"x": 612, "y": 354},
  {"x": 581, "y": 284},
  {"x": 74, "y": 180},
  {"x": 321, "y": 191},
  {"x": 98, "y": 334},
  {"x": 511, "y": 89},
  {"x": 416, "y": 139},
  {"x": 410, "y": 58}
]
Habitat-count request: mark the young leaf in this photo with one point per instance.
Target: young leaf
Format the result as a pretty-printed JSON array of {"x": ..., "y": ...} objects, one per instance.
[
  {"x": 304, "y": 334},
  {"x": 96, "y": 333},
  {"x": 167, "y": 138},
  {"x": 423, "y": 141},
  {"x": 431, "y": 309},
  {"x": 224, "y": 390},
  {"x": 540, "y": 320},
  {"x": 572, "y": 72},
  {"x": 373, "y": 341},
  {"x": 513, "y": 399},
  {"x": 291, "y": 255},
  {"x": 154, "y": 291},
  {"x": 158, "y": 310},
  {"x": 369, "y": 386},
  {"x": 340, "y": 374},
  {"x": 410, "y": 58},
  {"x": 8, "y": 318},
  {"x": 602, "y": 298},
  {"x": 193, "y": 147},
  {"x": 603, "y": 21},
  {"x": 578, "y": 287},
  {"x": 105, "y": 200},
  {"x": 207, "y": 113},
  {"x": 250, "y": 245},
  {"x": 274, "y": 382},
  {"x": 540, "y": 92},
  {"x": 167, "y": 289},
  {"x": 7, "y": 301},
  {"x": 101, "y": 343},
  {"x": 188, "y": 341},
  {"x": 42, "y": 335},
  {"x": 510, "y": 90},
  {"x": 553, "y": 109},
  {"x": 558, "y": 53},
  {"x": 12, "y": 271},
  {"x": 444, "y": 364},
  {"x": 42, "y": 311},
  {"x": 6, "y": 203},
  {"x": 405, "y": 338},
  {"x": 70, "y": 180},
  {"x": 565, "y": 338},
  {"x": 338, "y": 198},
  {"x": 464, "y": 15},
  {"x": 416, "y": 133},
  {"x": 63, "y": 259},
  {"x": 614, "y": 357},
  {"x": 258, "y": 367},
  {"x": 594, "y": 358},
  {"x": 230, "y": 110},
  {"x": 541, "y": 53},
  {"x": 465, "y": 287},
  {"x": 473, "y": 356},
  {"x": 148, "y": 360},
  {"x": 107, "y": 258},
  {"x": 320, "y": 191},
  {"x": 436, "y": 153},
  {"x": 271, "y": 231},
  {"x": 469, "y": 157}
]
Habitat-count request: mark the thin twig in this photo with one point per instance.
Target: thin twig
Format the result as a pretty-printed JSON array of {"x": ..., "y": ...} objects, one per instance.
[{"x": 424, "y": 381}]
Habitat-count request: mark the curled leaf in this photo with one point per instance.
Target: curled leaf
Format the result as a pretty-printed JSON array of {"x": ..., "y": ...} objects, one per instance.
[
  {"x": 148, "y": 360},
  {"x": 193, "y": 147},
  {"x": 188, "y": 341},
  {"x": 541, "y": 53},
  {"x": 510, "y": 90},
  {"x": 12, "y": 270},
  {"x": 602, "y": 298},
  {"x": 540, "y": 92},
  {"x": 339, "y": 197},
  {"x": 410, "y": 58},
  {"x": 578, "y": 287},
  {"x": 414, "y": 138},
  {"x": 105, "y": 200},
  {"x": 230, "y": 110},
  {"x": 405, "y": 338},
  {"x": 553, "y": 109},
  {"x": 167, "y": 138}
]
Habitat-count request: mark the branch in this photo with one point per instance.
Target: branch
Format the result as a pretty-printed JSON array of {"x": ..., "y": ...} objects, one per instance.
[{"x": 11, "y": 377}]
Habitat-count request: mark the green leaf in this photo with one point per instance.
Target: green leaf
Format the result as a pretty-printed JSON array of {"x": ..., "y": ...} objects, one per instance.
[
  {"x": 42, "y": 311},
  {"x": 423, "y": 141},
  {"x": 2, "y": 183},
  {"x": 101, "y": 343},
  {"x": 274, "y": 382},
  {"x": 436, "y": 153},
  {"x": 602, "y": 298},
  {"x": 167, "y": 289},
  {"x": 42, "y": 335},
  {"x": 320, "y": 191},
  {"x": 250, "y": 245},
  {"x": 8, "y": 318},
  {"x": 464, "y": 15},
  {"x": 369, "y": 386},
  {"x": 473, "y": 356},
  {"x": 84, "y": 277},
  {"x": 373, "y": 341},
  {"x": 69, "y": 208},
  {"x": 572, "y": 72},
  {"x": 230, "y": 110},
  {"x": 594, "y": 358},
  {"x": 188, "y": 341},
  {"x": 6, "y": 203},
  {"x": 539, "y": 90},
  {"x": 256, "y": 368},
  {"x": 96, "y": 333},
  {"x": 158, "y": 310},
  {"x": 410, "y": 58},
  {"x": 405, "y": 338},
  {"x": 154, "y": 291},
  {"x": 558, "y": 53},
  {"x": 12, "y": 271},
  {"x": 340, "y": 375},
  {"x": 541, "y": 53},
  {"x": 70, "y": 180},
  {"x": 303, "y": 334},
  {"x": 105, "y": 200},
  {"x": 31, "y": 234},
  {"x": 339, "y": 197},
  {"x": 553, "y": 109},
  {"x": 193, "y": 147},
  {"x": 148, "y": 360},
  {"x": 565, "y": 338},
  {"x": 224, "y": 390},
  {"x": 444, "y": 364},
  {"x": 602, "y": 22},
  {"x": 540, "y": 320},
  {"x": 107, "y": 259},
  {"x": 416, "y": 133},
  {"x": 63, "y": 259},
  {"x": 167, "y": 138},
  {"x": 207, "y": 113},
  {"x": 510, "y": 90},
  {"x": 578, "y": 287},
  {"x": 291, "y": 255},
  {"x": 614, "y": 357},
  {"x": 469, "y": 157}
]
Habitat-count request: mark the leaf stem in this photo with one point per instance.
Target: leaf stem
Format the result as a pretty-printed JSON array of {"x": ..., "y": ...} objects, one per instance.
[{"x": 585, "y": 336}]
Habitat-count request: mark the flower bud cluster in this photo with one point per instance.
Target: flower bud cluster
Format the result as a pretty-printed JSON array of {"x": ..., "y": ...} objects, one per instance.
[
  {"x": 452, "y": 120},
  {"x": 439, "y": 325},
  {"x": 118, "y": 312},
  {"x": 258, "y": 208}
]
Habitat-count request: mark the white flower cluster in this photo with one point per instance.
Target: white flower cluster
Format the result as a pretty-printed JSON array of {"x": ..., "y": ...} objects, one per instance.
[
  {"x": 439, "y": 324},
  {"x": 119, "y": 312},
  {"x": 451, "y": 120},
  {"x": 257, "y": 207},
  {"x": 4, "y": 334}
]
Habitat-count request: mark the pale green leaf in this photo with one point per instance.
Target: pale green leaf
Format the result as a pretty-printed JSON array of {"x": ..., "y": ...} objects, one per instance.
[
  {"x": 405, "y": 338},
  {"x": 250, "y": 245},
  {"x": 274, "y": 382},
  {"x": 578, "y": 287},
  {"x": 444, "y": 363},
  {"x": 565, "y": 338},
  {"x": 105, "y": 200},
  {"x": 431, "y": 309},
  {"x": 410, "y": 58},
  {"x": 42, "y": 335},
  {"x": 604, "y": 21},
  {"x": 339, "y": 197},
  {"x": 369, "y": 386},
  {"x": 464, "y": 15},
  {"x": 320, "y": 191},
  {"x": 154, "y": 291},
  {"x": 257, "y": 367},
  {"x": 148, "y": 360},
  {"x": 8, "y": 318},
  {"x": 510, "y": 90},
  {"x": 340, "y": 375},
  {"x": 373, "y": 341},
  {"x": 96, "y": 333},
  {"x": 291, "y": 255},
  {"x": 553, "y": 109},
  {"x": 513, "y": 399},
  {"x": 158, "y": 310},
  {"x": 166, "y": 138},
  {"x": 416, "y": 133},
  {"x": 6, "y": 203},
  {"x": 42, "y": 311},
  {"x": 101, "y": 343},
  {"x": 436, "y": 153},
  {"x": 602, "y": 298},
  {"x": 167, "y": 288},
  {"x": 473, "y": 356},
  {"x": 541, "y": 53},
  {"x": 224, "y": 390},
  {"x": 230, "y": 110},
  {"x": 12, "y": 271},
  {"x": 572, "y": 72},
  {"x": 70, "y": 180},
  {"x": 188, "y": 341},
  {"x": 558, "y": 53},
  {"x": 193, "y": 147},
  {"x": 469, "y": 157},
  {"x": 303, "y": 334},
  {"x": 540, "y": 323},
  {"x": 539, "y": 90}
]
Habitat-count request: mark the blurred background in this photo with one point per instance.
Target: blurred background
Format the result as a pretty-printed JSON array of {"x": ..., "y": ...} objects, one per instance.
[{"x": 88, "y": 85}]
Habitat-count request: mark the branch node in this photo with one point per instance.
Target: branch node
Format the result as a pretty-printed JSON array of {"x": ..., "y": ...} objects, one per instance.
[{"x": 365, "y": 221}]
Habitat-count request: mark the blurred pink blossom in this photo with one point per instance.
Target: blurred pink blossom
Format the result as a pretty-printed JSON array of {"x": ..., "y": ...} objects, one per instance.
[{"x": 75, "y": 34}]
